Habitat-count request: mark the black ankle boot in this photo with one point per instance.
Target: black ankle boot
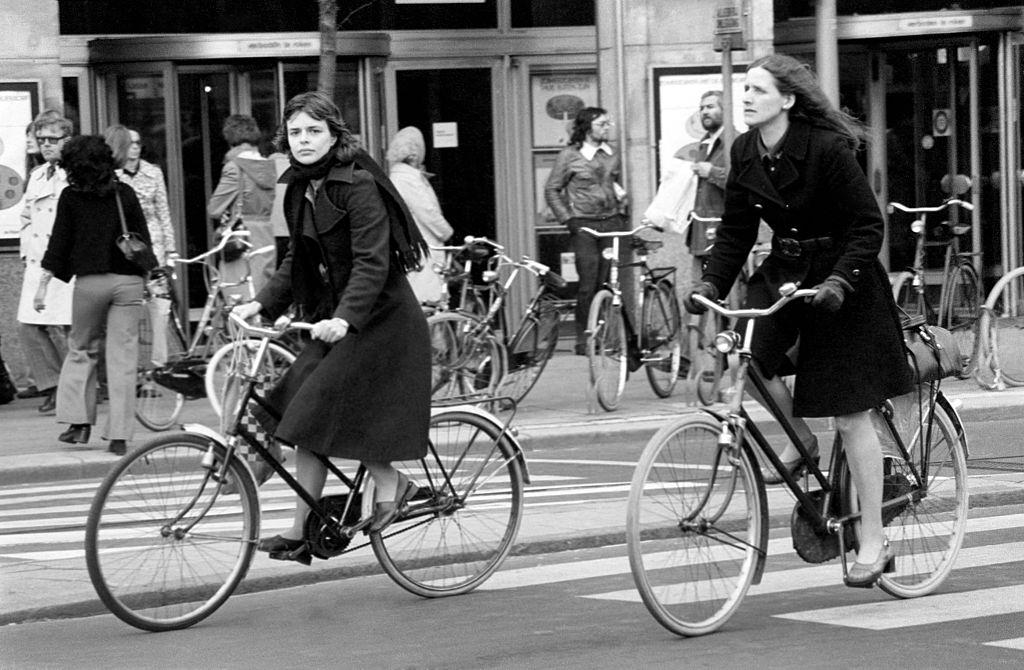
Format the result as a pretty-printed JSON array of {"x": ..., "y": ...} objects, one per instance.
[
  {"x": 76, "y": 433},
  {"x": 118, "y": 447}
]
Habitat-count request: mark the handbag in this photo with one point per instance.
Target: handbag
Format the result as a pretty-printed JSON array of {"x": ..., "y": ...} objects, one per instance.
[
  {"x": 932, "y": 352},
  {"x": 132, "y": 245}
]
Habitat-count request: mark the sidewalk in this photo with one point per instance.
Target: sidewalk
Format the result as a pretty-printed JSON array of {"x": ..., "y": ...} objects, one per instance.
[{"x": 554, "y": 415}]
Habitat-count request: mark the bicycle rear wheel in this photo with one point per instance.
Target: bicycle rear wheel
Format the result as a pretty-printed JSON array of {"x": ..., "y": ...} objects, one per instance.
[
  {"x": 660, "y": 337},
  {"x": 157, "y": 407},
  {"x": 1006, "y": 328},
  {"x": 695, "y": 527},
  {"x": 461, "y": 525},
  {"x": 707, "y": 364},
  {"x": 530, "y": 351},
  {"x": 961, "y": 311},
  {"x": 927, "y": 532},
  {"x": 466, "y": 360},
  {"x": 277, "y": 361},
  {"x": 163, "y": 546},
  {"x": 606, "y": 350}
]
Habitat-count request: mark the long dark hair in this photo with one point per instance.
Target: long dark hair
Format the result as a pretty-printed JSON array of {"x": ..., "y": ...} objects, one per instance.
[
  {"x": 89, "y": 163},
  {"x": 793, "y": 77},
  {"x": 581, "y": 124},
  {"x": 321, "y": 108}
]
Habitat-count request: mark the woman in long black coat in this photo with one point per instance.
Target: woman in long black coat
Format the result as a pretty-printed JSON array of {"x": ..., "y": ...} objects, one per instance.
[
  {"x": 361, "y": 389},
  {"x": 796, "y": 170}
]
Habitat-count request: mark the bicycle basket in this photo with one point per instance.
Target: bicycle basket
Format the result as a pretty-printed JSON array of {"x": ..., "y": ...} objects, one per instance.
[{"x": 184, "y": 376}]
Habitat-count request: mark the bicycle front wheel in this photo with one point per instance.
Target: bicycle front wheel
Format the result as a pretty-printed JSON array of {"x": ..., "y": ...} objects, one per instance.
[
  {"x": 461, "y": 524},
  {"x": 660, "y": 335},
  {"x": 276, "y": 362},
  {"x": 695, "y": 526},
  {"x": 961, "y": 311},
  {"x": 606, "y": 350},
  {"x": 1006, "y": 328},
  {"x": 164, "y": 547},
  {"x": 927, "y": 531},
  {"x": 157, "y": 407},
  {"x": 466, "y": 359}
]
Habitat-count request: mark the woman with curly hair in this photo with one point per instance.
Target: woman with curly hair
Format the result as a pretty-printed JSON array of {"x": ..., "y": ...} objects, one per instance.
[
  {"x": 107, "y": 295},
  {"x": 361, "y": 388}
]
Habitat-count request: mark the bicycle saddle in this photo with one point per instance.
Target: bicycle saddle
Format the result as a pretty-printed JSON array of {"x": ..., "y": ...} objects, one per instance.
[{"x": 641, "y": 244}]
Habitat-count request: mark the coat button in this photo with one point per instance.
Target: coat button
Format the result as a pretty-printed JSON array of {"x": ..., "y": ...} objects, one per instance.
[{"x": 856, "y": 273}]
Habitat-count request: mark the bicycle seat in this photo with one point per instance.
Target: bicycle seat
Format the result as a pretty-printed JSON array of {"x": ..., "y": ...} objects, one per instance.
[
  {"x": 640, "y": 244},
  {"x": 475, "y": 253},
  {"x": 552, "y": 279}
]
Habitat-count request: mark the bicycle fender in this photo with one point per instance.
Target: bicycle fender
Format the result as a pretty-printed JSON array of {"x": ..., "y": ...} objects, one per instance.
[
  {"x": 219, "y": 439},
  {"x": 507, "y": 432}
]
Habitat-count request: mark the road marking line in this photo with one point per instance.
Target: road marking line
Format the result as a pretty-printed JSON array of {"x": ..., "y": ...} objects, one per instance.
[
  {"x": 1017, "y": 643},
  {"x": 936, "y": 608}
]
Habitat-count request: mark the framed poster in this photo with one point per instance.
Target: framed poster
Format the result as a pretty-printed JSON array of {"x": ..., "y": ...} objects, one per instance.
[
  {"x": 677, "y": 93},
  {"x": 19, "y": 104},
  {"x": 555, "y": 99}
]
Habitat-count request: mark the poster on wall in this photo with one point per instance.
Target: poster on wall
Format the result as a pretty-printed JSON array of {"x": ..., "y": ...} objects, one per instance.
[
  {"x": 555, "y": 101},
  {"x": 19, "y": 103},
  {"x": 677, "y": 93}
]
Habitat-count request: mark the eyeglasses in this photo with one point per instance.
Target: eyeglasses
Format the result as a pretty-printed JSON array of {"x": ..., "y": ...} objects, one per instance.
[
  {"x": 605, "y": 124},
  {"x": 49, "y": 139}
]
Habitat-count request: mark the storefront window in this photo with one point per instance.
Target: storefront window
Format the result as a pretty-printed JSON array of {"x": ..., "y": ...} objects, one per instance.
[
  {"x": 265, "y": 106},
  {"x": 140, "y": 105},
  {"x": 545, "y": 14},
  {"x": 346, "y": 90}
]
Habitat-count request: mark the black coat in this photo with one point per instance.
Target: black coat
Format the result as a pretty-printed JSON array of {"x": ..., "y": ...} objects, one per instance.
[
  {"x": 848, "y": 361},
  {"x": 366, "y": 397}
]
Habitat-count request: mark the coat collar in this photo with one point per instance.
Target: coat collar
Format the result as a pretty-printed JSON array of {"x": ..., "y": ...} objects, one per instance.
[
  {"x": 340, "y": 172},
  {"x": 750, "y": 171}
]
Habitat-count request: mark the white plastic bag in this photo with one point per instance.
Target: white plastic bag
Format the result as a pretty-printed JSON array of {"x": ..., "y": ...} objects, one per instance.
[{"x": 671, "y": 206}]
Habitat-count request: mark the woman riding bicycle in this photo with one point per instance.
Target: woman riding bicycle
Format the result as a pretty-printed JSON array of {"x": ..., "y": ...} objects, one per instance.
[
  {"x": 796, "y": 169},
  {"x": 361, "y": 389}
]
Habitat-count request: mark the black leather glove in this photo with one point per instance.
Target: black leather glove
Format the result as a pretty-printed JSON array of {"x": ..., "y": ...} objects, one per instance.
[
  {"x": 831, "y": 293},
  {"x": 705, "y": 289}
]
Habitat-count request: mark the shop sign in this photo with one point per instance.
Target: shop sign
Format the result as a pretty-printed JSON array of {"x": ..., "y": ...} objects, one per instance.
[
  {"x": 924, "y": 24},
  {"x": 277, "y": 46}
]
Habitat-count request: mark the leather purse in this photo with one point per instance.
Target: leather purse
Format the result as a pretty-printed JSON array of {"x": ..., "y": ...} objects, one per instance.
[
  {"x": 932, "y": 352},
  {"x": 132, "y": 245}
]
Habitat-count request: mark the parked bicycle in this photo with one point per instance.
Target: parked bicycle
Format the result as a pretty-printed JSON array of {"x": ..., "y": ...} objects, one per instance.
[
  {"x": 960, "y": 296},
  {"x": 163, "y": 386},
  {"x": 613, "y": 345},
  {"x": 1000, "y": 350},
  {"x": 483, "y": 355},
  {"x": 697, "y": 524},
  {"x": 173, "y": 527}
]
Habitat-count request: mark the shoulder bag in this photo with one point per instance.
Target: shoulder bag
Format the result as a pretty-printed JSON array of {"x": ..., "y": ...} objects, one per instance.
[
  {"x": 131, "y": 244},
  {"x": 932, "y": 352}
]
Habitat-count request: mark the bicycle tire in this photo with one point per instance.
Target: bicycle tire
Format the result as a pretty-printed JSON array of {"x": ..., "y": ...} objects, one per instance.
[
  {"x": 463, "y": 362},
  {"x": 1005, "y": 311},
  {"x": 157, "y": 407},
  {"x": 155, "y": 577},
  {"x": 276, "y": 362},
  {"x": 472, "y": 481},
  {"x": 695, "y": 549},
  {"x": 961, "y": 311},
  {"x": 660, "y": 334},
  {"x": 926, "y": 534},
  {"x": 707, "y": 364},
  {"x": 530, "y": 351},
  {"x": 606, "y": 350},
  {"x": 907, "y": 296}
]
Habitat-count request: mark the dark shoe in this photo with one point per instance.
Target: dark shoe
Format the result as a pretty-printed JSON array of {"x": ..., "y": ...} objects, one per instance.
[
  {"x": 76, "y": 433},
  {"x": 284, "y": 549},
  {"x": 118, "y": 447},
  {"x": 580, "y": 350},
  {"x": 384, "y": 513},
  {"x": 49, "y": 405},
  {"x": 31, "y": 392},
  {"x": 684, "y": 367},
  {"x": 795, "y": 467},
  {"x": 864, "y": 575}
]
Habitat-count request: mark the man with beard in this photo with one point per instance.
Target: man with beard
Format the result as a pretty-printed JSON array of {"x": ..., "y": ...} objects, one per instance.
[{"x": 711, "y": 169}]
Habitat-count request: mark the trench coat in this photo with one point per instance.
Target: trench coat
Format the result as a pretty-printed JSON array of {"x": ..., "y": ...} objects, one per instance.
[
  {"x": 850, "y": 360},
  {"x": 37, "y": 217},
  {"x": 366, "y": 397}
]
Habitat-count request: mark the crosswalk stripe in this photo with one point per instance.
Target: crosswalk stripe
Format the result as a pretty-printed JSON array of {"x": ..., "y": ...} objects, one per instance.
[
  {"x": 936, "y": 608},
  {"x": 1017, "y": 643}
]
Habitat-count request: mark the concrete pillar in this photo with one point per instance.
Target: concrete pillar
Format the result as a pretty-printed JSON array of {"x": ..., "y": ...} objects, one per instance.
[{"x": 827, "y": 48}]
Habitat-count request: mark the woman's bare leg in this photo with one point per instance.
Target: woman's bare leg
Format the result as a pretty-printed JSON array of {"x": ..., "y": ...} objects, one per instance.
[
  {"x": 385, "y": 479},
  {"x": 864, "y": 454},
  {"x": 311, "y": 474},
  {"x": 779, "y": 392}
]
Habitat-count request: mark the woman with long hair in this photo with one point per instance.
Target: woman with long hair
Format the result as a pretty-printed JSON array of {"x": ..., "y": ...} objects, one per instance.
[
  {"x": 796, "y": 169},
  {"x": 107, "y": 294},
  {"x": 361, "y": 388}
]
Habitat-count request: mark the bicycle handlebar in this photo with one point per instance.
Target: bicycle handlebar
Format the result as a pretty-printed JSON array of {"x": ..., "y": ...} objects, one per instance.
[
  {"x": 925, "y": 210},
  {"x": 469, "y": 240},
  {"x": 263, "y": 331},
  {"x": 623, "y": 233},
  {"x": 789, "y": 293},
  {"x": 704, "y": 219},
  {"x": 171, "y": 260}
]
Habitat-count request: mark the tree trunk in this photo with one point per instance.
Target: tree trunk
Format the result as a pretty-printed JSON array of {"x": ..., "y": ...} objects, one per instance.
[{"x": 328, "y": 46}]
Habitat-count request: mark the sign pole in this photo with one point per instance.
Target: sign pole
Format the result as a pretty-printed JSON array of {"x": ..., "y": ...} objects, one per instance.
[{"x": 728, "y": 130}]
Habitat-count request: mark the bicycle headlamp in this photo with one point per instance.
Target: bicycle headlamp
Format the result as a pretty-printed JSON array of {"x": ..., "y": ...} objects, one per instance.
[
  {"x": 608, "y": 253},
  {"x": 727, "y": 341},
  {"x": 917, "y": 227},
  {"x": 490, "y": 276}
]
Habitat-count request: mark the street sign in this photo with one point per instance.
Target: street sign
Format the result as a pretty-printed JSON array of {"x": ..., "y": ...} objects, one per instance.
[{"x": 730, "y": 26}]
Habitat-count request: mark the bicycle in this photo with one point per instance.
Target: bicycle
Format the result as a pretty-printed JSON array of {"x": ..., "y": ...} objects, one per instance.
[
  {"x": 167, "y": 541},
  {"x": 612, "y": 344},
  {"x": 959, "y": 307},
  {"x": 697, "y": 522},
  {"x": 1000, "y": 353},
  {"x": 479, "y": 355},
  {"x": 183, "y": 372}
]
